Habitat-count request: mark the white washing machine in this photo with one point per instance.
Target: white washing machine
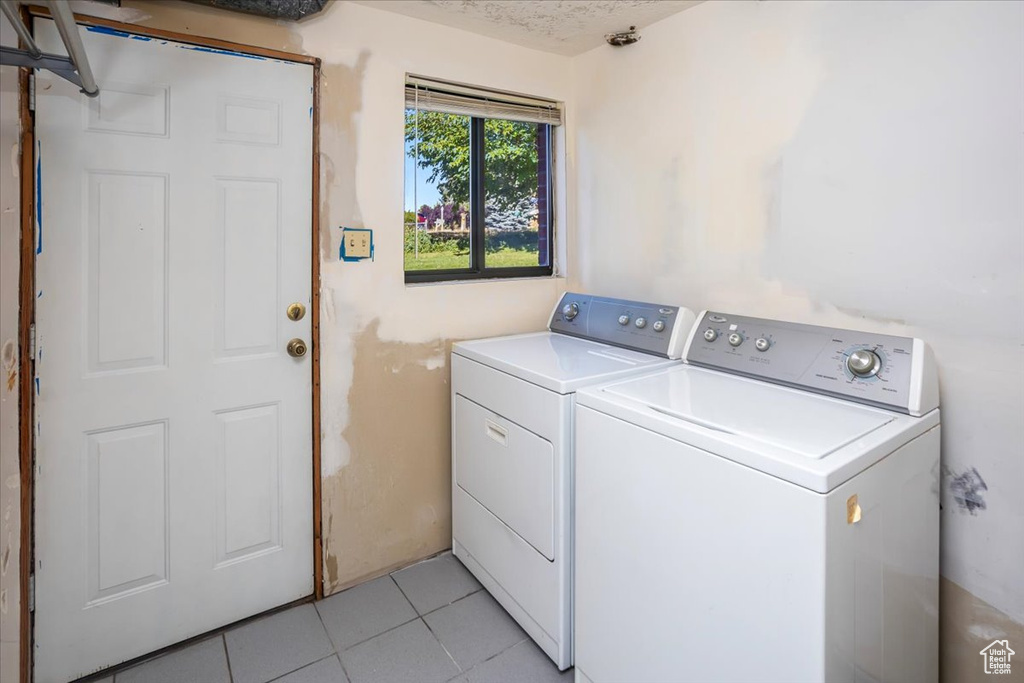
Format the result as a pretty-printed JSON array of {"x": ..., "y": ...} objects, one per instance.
[
  {"x": 512, "y": 425},
  {"x": 768, "y": 511}
]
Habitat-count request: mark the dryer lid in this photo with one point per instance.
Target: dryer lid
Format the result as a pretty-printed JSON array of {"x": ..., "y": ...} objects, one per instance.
[
  {"x": 805, "y": 424},
  {"x": 558, "y": 362}
]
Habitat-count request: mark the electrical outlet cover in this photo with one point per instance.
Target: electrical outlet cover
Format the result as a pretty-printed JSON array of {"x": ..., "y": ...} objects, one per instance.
[{"x": 356, "y": 244}]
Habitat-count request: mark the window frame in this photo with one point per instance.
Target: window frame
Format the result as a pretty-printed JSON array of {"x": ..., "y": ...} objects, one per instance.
[{"x": 478, "y": 269}]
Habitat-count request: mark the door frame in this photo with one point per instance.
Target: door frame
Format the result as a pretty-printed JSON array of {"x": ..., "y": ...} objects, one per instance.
[{"x": 26, "y": 308}]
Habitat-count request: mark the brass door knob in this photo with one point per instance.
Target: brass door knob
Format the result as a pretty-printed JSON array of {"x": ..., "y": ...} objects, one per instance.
[
  {"x": 296, "y": 348},
  {"x": 295, "y": 311}
]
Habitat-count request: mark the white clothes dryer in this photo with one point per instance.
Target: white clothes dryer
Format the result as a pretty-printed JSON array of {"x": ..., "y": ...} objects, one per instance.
[
  {"x": 768, "y": 511},
  {"x": 512, "y": 425}
]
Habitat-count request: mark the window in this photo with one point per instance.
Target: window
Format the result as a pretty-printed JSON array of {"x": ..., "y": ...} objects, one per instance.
[{"x": 477, "y": 183}]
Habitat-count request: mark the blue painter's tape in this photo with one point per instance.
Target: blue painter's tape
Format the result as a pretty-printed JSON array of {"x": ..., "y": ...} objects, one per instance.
[
  {"x": 39, "y": 197},
  {"x": 37, "y": 386},
  {"x": 106, "y": 30},
  {"x": 215, "y": 51}
]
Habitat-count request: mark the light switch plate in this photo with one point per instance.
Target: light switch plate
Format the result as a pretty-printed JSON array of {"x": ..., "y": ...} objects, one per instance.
[{"x": 356, "y": 244}]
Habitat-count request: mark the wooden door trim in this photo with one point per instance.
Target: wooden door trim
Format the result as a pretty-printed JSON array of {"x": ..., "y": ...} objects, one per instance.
[
  {"x": 187, "y": 38},
  {"x": 26, "y": 309},
  {"x": 314, "y": 327},
  {"x": 26, "y": 368}
]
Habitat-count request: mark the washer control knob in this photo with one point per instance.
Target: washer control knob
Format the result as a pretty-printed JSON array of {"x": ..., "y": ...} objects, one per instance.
[
  {"x": 570, "y": 311},
  {"x": 735, "y": 339},
  {"x": 623, "y": 319},
  {"x": 659, "y": 325},
  {"x": 762, "y": 344},
  {"x": 710, "y": 334},
  {"x": 864, "y": 363},
  {"x": 641, "y": 323}
]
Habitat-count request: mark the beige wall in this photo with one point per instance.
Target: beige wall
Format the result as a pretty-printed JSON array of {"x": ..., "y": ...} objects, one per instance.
[{"x": 854, "y": 164}]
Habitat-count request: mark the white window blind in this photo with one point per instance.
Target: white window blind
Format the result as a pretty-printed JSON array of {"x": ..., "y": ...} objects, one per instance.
[{"x": 424, "y": 94}]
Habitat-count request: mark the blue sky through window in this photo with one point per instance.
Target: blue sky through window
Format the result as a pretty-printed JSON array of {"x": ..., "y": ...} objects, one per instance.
[{"x": 422, "y": 192}]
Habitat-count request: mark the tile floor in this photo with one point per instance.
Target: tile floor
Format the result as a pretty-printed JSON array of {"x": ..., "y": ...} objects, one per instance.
[{"x": 428, "y": 622}]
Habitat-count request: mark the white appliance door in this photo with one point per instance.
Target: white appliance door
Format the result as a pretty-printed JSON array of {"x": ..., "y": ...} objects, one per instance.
[
  {"x": 805, "y": 424},
  {"x": 174, "y": 449},
  {"x": 690, "y": 568},
  {"x": 509, "y": 470}
]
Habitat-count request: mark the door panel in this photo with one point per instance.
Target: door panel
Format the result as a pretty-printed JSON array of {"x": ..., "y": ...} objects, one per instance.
[{"x": 174, "y": 444}]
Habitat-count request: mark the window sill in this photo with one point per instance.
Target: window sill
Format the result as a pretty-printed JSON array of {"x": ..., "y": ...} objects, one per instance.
[{"x": 486, "y": 280}]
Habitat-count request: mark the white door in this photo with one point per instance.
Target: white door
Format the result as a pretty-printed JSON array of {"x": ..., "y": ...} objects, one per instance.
[{"x": 174, "y": 431}]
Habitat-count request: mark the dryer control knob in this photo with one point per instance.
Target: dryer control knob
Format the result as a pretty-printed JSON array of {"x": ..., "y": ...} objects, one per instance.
[
  {"x": 864, "y": 363},
  {"x": 735, "y": 339},
  {"x": 659, "y": 325},
  {"x": 623, "y": 319},
  {"x": 762, "y": 344},
  {"x": 641, "y": 323},
  {"x": 570, "y": 311},
  {"x": 710, "y": 334}
]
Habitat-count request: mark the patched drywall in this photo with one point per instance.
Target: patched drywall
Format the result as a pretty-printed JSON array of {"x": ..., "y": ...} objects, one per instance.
[
  {"x": 384, "y": 346},
  {"x": 850, "y": 164},
  {"x": 10, "y": 491},
  {"x": 397, "y": 480}
]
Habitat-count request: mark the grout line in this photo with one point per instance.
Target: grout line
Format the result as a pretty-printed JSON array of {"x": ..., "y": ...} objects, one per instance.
[
  {"x": 316, "y": 661},
  {"x": 495, "y": 655},
  {"x": 227, "y": 657},
  {"x": 389, "y": 630},
  {"x": 438, "y": 609},
  {"x": 399, "y": 587},
  {"x": 431, "y": 631},
  {"x": 337, "y": 652}
]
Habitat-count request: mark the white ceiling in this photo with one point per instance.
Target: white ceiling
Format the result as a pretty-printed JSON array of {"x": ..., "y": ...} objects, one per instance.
[{"x": 567, "y": 27}]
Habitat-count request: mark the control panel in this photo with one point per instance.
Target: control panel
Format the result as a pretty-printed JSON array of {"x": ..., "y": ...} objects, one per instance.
[
  {"x": 882, "y": 370},
  {"x": 652, "y": 328}
]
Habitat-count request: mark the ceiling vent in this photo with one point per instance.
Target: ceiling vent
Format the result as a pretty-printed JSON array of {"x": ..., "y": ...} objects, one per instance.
[{"x": 623, "y": 37}]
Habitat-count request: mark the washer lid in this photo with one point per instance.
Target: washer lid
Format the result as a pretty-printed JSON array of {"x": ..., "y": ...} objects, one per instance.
[
  {"x": 802, "y": 423},
  {"x": 810, "y": 440},
  {"x": 558, "y": 362}
]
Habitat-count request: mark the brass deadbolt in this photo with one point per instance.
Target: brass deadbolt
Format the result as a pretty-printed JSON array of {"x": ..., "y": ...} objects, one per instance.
[
  {"x": 296, "y": 348},
  {"x": 296, "y": 311}
]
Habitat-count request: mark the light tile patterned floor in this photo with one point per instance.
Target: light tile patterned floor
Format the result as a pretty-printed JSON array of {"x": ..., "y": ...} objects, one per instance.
[{"x": 430, "y": 622}]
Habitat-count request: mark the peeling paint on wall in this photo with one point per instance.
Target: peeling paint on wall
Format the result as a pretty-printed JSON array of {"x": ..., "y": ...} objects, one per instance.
[{"x": 10, "y": 363}]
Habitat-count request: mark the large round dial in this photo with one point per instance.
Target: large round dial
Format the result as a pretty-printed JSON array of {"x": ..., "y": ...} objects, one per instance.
[
  {"x": 711, "y": 334},
  {"x": 571, "y": 310},
  {"x": 864, "y": 363}
]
